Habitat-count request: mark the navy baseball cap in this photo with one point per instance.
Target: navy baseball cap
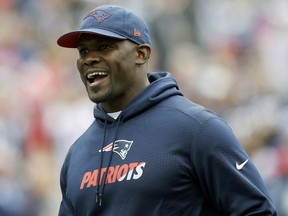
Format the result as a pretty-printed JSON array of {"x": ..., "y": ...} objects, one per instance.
[{"x": 111, "y": 21}]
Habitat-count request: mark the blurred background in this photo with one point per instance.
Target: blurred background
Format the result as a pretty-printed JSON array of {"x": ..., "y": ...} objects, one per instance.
[{"x": 230, "y": 56}]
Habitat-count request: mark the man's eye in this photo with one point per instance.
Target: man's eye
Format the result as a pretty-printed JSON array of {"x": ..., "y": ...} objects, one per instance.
[
  {"x": 104, "y": 47},
  {"x": 82, "y": 52}
]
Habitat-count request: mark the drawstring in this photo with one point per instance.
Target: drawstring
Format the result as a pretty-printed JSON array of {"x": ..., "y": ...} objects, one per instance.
[{"x": 99, "y": 195}]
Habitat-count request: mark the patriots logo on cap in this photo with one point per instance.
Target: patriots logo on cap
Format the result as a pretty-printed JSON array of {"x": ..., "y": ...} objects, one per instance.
[
  {"x": 121, "y": 147},
  {"x": 99, "y": 15}
]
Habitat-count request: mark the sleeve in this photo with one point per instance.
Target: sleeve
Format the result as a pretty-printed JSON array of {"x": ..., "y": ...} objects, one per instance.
[
  {"x": 66, "y": 208},
  {"x": 227, "y": 176}
]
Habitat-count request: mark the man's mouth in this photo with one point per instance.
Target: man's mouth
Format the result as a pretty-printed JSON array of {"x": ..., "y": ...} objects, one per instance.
[{"x": 96, "y": 77}]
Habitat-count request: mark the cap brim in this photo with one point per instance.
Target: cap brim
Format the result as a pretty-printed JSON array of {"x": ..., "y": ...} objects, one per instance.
[{"x": 70, "y": 40}]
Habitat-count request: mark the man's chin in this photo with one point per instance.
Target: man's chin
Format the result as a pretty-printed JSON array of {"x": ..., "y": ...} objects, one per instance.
[{"x": 96, "y": 99}]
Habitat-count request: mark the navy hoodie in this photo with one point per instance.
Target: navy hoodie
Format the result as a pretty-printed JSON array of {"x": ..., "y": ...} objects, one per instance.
[{"x": 164, "y": 155}]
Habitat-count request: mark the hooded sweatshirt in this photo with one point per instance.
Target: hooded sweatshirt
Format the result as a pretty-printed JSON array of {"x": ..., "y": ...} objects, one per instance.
[{"x": 164, "y": 155}]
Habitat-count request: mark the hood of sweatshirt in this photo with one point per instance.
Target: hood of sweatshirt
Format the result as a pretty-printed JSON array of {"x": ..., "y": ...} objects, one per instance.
[{"x": 162, "y": 85}]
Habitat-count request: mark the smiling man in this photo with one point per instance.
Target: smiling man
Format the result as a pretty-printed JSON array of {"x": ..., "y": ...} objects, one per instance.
[
  {"x": 150, "y": 151},
  {"x": 112, "y": 70}
]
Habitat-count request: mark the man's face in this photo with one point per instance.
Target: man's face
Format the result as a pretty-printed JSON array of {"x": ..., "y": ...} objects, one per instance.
[{"x": 107, "y": 69}]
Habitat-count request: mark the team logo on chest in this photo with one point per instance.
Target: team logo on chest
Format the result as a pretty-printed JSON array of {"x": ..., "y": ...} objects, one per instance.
[{"x": 121, "y": 147}]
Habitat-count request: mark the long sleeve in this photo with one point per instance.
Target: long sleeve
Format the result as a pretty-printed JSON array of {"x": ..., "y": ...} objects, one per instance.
[
  {"x": 228, "y": 177},
  {"x": 65, "y": 206}
]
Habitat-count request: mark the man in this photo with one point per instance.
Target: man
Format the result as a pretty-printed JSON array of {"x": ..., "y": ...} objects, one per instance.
[{"x": 150, "y": 151}]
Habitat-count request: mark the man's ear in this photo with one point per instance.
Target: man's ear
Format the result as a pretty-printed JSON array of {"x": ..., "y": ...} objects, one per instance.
[{"x": 143, "y": 54}]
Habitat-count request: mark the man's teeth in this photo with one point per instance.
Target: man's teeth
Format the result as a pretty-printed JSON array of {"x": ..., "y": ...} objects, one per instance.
[{"x": 92, "y": 75}]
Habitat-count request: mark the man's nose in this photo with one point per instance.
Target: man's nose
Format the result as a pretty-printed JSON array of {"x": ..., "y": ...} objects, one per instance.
[{"x": 92, "y": 58}]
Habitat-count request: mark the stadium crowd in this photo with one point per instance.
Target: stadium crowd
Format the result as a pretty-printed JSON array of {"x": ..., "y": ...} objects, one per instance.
[{"x": 230, "y": 56}]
